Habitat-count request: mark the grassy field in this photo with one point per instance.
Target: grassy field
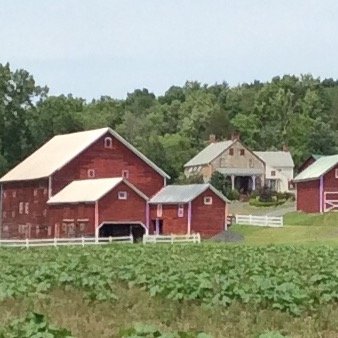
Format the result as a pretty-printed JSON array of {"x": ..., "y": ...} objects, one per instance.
[{"x": 219, "y": 289}]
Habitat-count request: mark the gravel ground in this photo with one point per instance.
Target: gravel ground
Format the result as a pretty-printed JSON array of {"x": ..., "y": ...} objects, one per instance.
[{"x": 228, "y": 236}]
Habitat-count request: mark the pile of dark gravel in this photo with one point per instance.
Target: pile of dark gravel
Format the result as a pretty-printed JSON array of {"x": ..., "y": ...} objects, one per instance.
[{"x": 228, "y": 236}]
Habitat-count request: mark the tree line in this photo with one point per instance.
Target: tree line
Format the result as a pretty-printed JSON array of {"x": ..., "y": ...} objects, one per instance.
[{"x": 297, "y": 111}]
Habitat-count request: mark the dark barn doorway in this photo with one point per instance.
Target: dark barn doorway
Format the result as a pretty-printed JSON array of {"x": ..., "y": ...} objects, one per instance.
[{"x": 122, "y": 229}]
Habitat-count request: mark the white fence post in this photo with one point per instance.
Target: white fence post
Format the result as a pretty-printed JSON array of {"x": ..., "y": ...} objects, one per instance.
[
  {"x": 266, "y": 220},
  {"x": 172, "y": 239},
  {"x": 83, "y": 241},
  {"x": 55, "y": 241},
  {"x": 250, "y": 219},
  {"x": 27, "y": 243}
]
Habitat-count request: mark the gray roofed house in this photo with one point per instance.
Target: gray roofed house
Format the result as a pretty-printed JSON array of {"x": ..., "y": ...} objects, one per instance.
[
  {"x": 182, "y": 193},
  {"x": 276, "y": 159}
]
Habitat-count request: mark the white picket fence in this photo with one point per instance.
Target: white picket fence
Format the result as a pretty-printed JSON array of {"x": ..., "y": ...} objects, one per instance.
[
  {"x": 268, "y": 221},
  {"x": 193, "y": 238},
  {"x": 64, "y": 241}
]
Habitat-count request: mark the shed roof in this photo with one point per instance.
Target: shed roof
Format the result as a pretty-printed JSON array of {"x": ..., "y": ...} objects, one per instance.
[
  {"x": 209, "y": 153},
  {"x": 89, "y": 191},
  {"x": 276, "y": 158},
  {"x": 60, "y": 150},
  {"x": 173, "y": 194},
  {"x": 317, "y": 168}
]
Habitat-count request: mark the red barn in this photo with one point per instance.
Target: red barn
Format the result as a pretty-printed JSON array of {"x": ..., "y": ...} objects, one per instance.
[
  {"x": 186, "y": 209},
  {"x": 313, "y": 158},
  {"x": 111, "y": 206},
  {"x": 317, "y": 186},
  {"x": 100, "y": 153}
]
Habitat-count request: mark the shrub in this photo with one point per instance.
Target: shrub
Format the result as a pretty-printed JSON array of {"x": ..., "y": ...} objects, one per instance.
[
  {"x": 265, "y": 194},
  {"x": 257, "y": 203},
  {"x": 233, "y": 195}
]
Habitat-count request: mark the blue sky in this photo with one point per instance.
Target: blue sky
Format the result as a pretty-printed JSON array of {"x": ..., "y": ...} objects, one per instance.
[{"x": 98, "y": 47}]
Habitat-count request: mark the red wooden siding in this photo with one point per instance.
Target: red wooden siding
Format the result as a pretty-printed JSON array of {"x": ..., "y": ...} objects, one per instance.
[
  {"x": 109, "y": 163},
  {"x": 172, "y": 224},
  {"x": 133, "y": 209},
  {"x": 208, "y": 220},
  {"x": 308, "y": 196},
  {"x": 24, "y": 210}
]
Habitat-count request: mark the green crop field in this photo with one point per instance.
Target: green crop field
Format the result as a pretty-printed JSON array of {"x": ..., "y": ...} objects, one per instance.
[{"x": 207, "y": 290}]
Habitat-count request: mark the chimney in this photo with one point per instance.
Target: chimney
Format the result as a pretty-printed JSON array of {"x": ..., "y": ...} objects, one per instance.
[
  {"x": 235, "y": 136},
  {"x": 212, "y": 138},
  {"x": 285, "y": 148}
]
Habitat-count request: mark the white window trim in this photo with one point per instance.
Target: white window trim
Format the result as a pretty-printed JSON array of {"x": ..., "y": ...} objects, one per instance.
[
  {"x": 21, "y": 208},
  {"x": 207, "y": 200},
  {"x": 27, "y": 208},
  {"x": 108, "y": 142},
  {"x": 122, "y": 195},
  {"x": 91, "y": 173},
  {"x": 180, "y": 210},
  {"x": 125, "y": 173},
  {"x": 336, "y": 173},
  {"x": 159, "y": 211}
]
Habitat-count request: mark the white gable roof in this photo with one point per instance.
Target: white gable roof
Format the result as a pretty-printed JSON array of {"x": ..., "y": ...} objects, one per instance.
[
  {"x": 182, "y": 193},
  {"x": 88, "y": 191},
  {"x": 276, "y": 159},
  {"x": 317, "y": 169},
  {"x": 60, "y": 150},
  {"x": 209, "y": 153}
]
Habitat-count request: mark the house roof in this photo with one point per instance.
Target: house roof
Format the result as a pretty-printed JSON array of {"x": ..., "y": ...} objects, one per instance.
[
  {"x": 60, "y": 150},
  {"x": 209, "y": 153},
  {"x": 276, "y": 158},
  {"x": 173, "y": 194},
  {"x": 89, "y": 191},
  {"x": 317, "y": 169}
]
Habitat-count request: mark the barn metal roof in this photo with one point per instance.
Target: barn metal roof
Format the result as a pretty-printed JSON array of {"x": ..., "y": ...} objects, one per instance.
[
  {"x": 317, "y": 169},
  {"x": 60, "y": 150},
  {"x": 89, "y": 191},
  {"x": 276, "y": 159},
  {"x": 173, "y": 194},
  {"x": 209, "y": 153}
]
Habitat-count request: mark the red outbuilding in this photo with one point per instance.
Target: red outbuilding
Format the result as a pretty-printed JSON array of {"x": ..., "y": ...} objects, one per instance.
[
  {"x": 186, "y": 209},
  {"x": 98, "y": 207},
  {"x": 311, "y": 159},
  {"x": 317, "y": 186}
]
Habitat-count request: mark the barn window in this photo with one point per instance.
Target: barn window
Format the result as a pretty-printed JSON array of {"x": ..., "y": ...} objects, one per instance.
[
  {"x": 14, "y": 193},
  {"x": 35, "y": 193},
  {"x": 159, "y": 210},
  {"x": 82, "y": 227},
  {"x": 273, "y": 172},
  {"x": 122, "y": 195},
  {"x": 242, "y": 152},
  {"x": 45, "y": 191},
  {"x": 21, "y": 208},
  {"x": 91, "y": 173},
  {"x": 207, "y": 200},
  {"x": 26, "y": 208},
  {"x": 231, "y": 151},
  {"x": 180, "y": 210},
  {"x": 108, "y": 143},
  {"x": 125, "y": 173}
]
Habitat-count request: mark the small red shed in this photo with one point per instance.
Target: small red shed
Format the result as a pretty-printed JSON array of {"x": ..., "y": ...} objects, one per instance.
[
  {"x": 317, "y": 186},
  {"x": 186, "y": 209},
  {"x": 105, "y": 207}
]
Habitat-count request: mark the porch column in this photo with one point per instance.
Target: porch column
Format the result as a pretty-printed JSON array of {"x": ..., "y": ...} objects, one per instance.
[
  {"x": 253, "y": 182},
  {"x": 233, "y": 182}
]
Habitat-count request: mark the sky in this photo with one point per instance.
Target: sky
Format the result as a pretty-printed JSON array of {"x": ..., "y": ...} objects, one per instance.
[{"x": 92, "y": 48}]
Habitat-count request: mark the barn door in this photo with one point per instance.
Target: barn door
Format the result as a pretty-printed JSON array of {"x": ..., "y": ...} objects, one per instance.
[{"x": 330, "y": 201}]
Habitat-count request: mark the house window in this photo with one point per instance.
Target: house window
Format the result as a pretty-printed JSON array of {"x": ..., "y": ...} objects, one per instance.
[
  {"x": 207, "y": 200},
  {"x": 122, "y": 195},
  {"x": 242, "y": 152},
  {"x": 91, "y": 173},
  {"x": 231, "y": 151},
  {"x": 180, "y": 211},
  {"x": 21, "y": 208},
  {"x": 14, "y": 193},
  {"x": 273, "y": 172},
  {"x": 108, "y": 143},
  {"x": 26, "y": 208},
  {"x": 125, "y": 173},
  {"x": 336, "y": 173},
  {"x": 159, "y": 210}
]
